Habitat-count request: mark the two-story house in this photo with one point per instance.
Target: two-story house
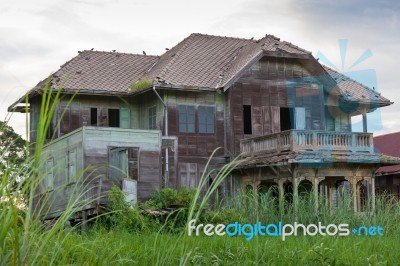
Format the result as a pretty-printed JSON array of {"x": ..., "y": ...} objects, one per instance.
[{"x": 157, "y": 119}]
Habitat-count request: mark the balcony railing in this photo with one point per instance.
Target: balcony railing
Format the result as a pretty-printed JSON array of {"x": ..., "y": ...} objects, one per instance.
[{"x": 307, "y": 140}]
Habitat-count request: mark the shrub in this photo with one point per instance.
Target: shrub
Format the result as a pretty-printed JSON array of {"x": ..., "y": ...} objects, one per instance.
[
  {"x": 170, "y": 198},
  {"x": 122, "y": 214}
]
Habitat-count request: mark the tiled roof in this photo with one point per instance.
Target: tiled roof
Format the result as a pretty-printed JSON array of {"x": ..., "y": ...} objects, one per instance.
[
  {"x": 94, "y": 71},
  {"x": 355, "y": 91},
  {"x": 206, "y": 61},
  {"x": 389, "y": 145},
  {"x": 199, "y": 61}
]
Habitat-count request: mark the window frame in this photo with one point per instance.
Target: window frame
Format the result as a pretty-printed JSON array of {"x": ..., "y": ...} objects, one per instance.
[
  {"x": 186, "y": 115},
  {"x": 152, "y": 117},
  {"x": 208, "y": 117}
]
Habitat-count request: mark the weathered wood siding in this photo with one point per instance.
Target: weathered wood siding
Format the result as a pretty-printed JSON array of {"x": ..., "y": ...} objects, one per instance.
[
  {"x": 97, "y": 141},
  {"x": 91, "y": 146},
  {"x": 271, "y": 84},
  {"x": 195, "y": 148}
]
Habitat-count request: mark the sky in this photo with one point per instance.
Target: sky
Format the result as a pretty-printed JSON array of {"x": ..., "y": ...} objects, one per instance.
[{"x": 36, "y": 37}]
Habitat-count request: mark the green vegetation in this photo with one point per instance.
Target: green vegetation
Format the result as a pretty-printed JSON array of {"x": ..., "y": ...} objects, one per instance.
[
  {"x": 140, "y": 84},
  {"x": 145, "y": 235}
]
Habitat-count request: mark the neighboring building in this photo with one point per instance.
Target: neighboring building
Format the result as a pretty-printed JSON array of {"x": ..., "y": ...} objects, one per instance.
[
  {"x": 157, "y": 119},
  {"x": 388, "y": 177}
]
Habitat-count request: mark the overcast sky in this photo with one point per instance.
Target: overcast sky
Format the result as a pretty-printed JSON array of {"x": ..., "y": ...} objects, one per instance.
[{"x": 36, "y": 37}]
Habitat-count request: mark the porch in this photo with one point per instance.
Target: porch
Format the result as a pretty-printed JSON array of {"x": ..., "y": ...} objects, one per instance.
[{"x": 307, "y": 140}]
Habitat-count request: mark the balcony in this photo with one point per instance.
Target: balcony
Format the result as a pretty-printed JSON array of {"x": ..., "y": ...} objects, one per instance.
[{"x": 307, "y": 140}]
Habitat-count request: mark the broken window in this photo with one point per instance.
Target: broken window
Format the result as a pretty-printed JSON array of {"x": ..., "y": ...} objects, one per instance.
[
  {"x": 152, "y": 117},
  {"x": 93, "y": 117},
  {"x": 247, "y": 124},
  {"x": 113, "y": 117},
  {"x": 206, "y": 119},
  {"x": 186, "y": 119},
  {"x": 286, "y": 115},
  {"x": 123, "y": 163}
]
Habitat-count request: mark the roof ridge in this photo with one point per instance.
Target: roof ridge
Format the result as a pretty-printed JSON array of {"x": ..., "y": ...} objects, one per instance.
[
  {"x": 112, "y": 52},
  {"x": 226, "y": 37},
  {"x": 295, "y": 46},
  {"x": 185, "y": 44}
]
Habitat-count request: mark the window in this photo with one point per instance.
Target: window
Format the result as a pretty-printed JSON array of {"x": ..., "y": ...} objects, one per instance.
[
  {"x": 247, "y": 124},
  {"x": 123, "y": 163},
  {"x": 113, "y": 117},
  {"x": 206, "y": 119},
  {"x": 286, "y": 121},
  {"x": 71, "y": 165},
  {"x": 188, "y": 175},
  {"x": 293, "y": 118},
  {"x": 153, "y": 117},
  {"x": 93, "y": 116},
  {"x": 186, "y": 119},
  {"x": 48, "y": 182}
]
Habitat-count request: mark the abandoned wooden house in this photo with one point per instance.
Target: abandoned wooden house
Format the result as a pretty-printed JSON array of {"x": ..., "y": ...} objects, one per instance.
[{"x": 143, "y": 122}]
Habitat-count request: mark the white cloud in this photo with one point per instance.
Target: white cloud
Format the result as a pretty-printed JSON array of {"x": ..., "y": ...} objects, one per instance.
[{"x": 36, "y": 37}]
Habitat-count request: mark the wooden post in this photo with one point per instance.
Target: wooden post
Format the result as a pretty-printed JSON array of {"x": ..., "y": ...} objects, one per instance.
[
  {"x": 295, "y": 195},
  {"x": 354, "y": 192},
  {"x": 281, "y": 196},
  {"x": 84, "y": 221},
  {"x": 317, "y": 180},
  {"x": 373, "y": 193},
  {"x": 329, "y": 195},
  {"x": 315, "y": 187}
]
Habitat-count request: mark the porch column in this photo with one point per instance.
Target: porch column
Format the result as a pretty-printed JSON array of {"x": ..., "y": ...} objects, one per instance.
[
  {"x": 353, "y": 182},
  {"x": 315, "y": 187},
  {"x": 373, "y": 193},
  {"x": 364, "y": 119},
  {"x": 295, "y": 194},
  {"x": 281, "y": 196},
  {"x": 317, "y": 180},
  {"x": 329, "y": 195}
]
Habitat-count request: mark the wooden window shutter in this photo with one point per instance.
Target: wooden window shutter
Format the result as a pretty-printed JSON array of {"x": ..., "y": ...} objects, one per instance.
[
  {"x": 275, "y": 119},
  {"x": 125, "y": 118},
  {"x": 113, "y": 164},
  {"x": 75, "y": 118},
  {"x": 65, "y": 126},
  {"x": 188, "y": 174},
  {"x": 266, "y": 120},
  {"x": 300, "y": 118},
  {"x": 133, "y": 163},
  {"x": 85, "y": 116},
  {"x": 103, "y": 119}
]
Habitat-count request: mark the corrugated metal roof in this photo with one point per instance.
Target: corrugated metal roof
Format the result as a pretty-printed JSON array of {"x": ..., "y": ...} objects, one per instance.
[{"x": 388, "y": 144}]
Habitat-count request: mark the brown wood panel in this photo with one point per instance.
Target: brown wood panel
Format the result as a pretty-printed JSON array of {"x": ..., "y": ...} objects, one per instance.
[
  {"x": 266, "y": 115},
  {"x": 275, "y": 119}
]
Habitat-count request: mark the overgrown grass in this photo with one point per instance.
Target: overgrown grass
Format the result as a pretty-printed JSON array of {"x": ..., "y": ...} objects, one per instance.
[{"x": 130, "y": 236}]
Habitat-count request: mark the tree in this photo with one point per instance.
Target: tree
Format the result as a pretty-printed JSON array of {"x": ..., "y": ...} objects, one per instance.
[{"x": 13, "y": 153}]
